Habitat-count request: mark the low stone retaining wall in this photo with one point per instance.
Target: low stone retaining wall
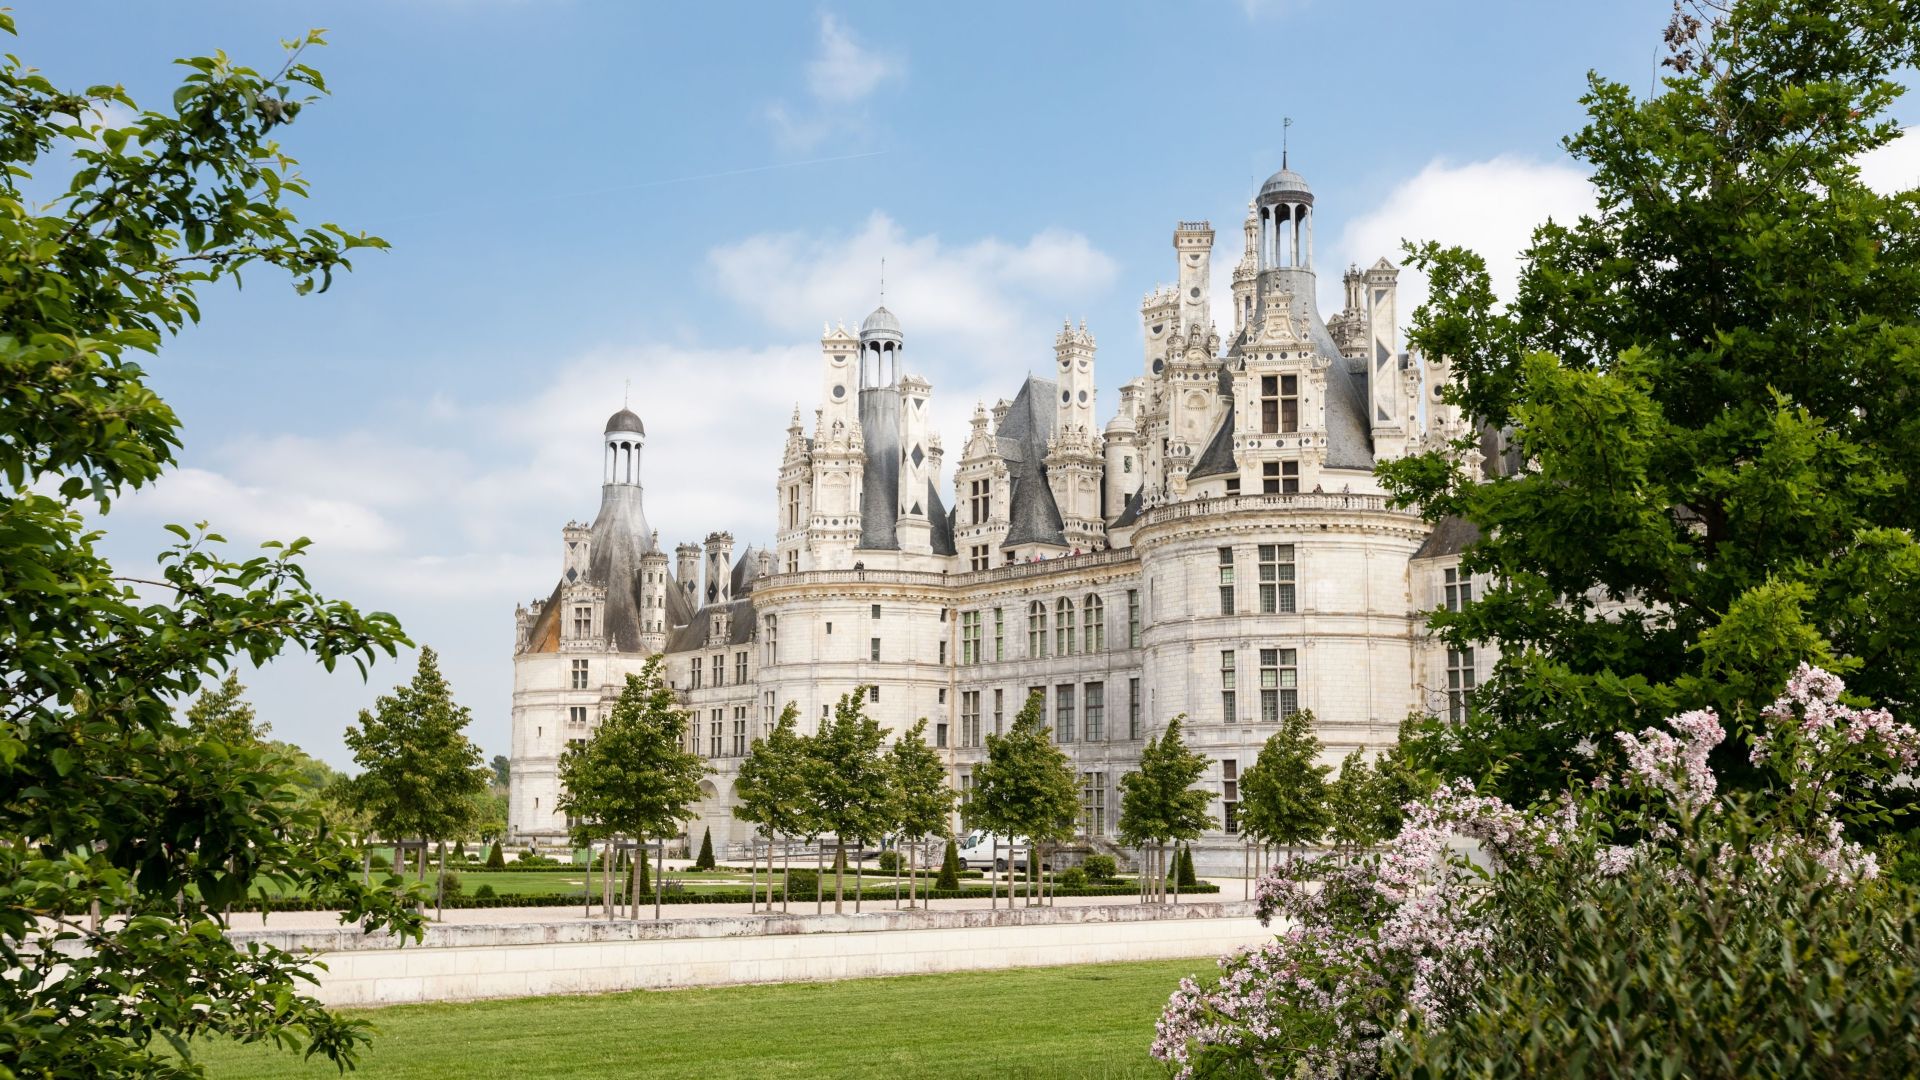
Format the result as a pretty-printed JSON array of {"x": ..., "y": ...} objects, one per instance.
[{"x": 462, "y": 963}]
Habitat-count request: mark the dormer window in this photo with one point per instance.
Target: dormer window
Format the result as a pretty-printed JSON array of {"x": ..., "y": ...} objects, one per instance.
[{"x": 583, "y": 621}]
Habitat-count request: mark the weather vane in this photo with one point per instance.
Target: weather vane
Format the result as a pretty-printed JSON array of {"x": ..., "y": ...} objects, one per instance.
[
  {"x": 1285, "y": 123},
  {"x": 883, "y": 280}
]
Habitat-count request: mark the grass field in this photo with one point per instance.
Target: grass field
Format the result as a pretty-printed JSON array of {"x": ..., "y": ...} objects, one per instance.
[{"x": 1092, "y": 1021}]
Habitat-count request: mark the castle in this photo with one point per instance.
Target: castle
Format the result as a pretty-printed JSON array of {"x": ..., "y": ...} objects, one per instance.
[{"x": 1220, "y": 548}]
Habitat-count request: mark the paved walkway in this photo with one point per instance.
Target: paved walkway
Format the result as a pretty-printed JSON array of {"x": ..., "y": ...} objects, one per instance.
[{"x": 322, "y": 920}]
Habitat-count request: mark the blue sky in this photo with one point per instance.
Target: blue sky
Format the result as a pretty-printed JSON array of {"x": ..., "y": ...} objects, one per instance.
[{"x": 586, "y": 195}]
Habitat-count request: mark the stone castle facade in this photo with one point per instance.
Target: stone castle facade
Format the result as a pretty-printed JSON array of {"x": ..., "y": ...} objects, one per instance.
[{"x": 1220, "y": 548}]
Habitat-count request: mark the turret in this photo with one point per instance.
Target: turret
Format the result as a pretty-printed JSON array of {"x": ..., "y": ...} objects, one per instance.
[
  {"x": 653, "y": 601},
  {"x": 686, "y": 572},
  {"x": 1073, "y": 456},
  {"x": 912, "y": 528},
  {"x": 1123, "y": 464},
  {"x": 1384, "y": 383},
  {"x": 577, "y": 550},
  {"x": 719, "y": 567},
  {"x": 1193, "y": 246}
]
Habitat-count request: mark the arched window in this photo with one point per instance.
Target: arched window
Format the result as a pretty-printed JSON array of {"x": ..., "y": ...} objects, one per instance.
[
  {"x": 1096, "y": 613},
  {"x": 1037, "y": 628},
  {"x": 1063, "y": 627}
]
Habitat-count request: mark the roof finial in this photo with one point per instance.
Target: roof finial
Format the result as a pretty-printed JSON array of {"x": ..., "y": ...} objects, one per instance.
[
  {"x": 1285, "y": 123},
  {"x": 883, "y": 281},
  {"x": 626, "y": 394}
]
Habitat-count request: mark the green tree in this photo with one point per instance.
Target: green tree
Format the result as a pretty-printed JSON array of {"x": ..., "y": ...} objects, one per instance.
[
  {"x": 771, "y": 789},
  {"x": 1707, "y": 387},
  {"x": 111, "y": 803},
  {"x": 502, "y": 770},
  {"x": 949, "y": 878},
  {"x": 923, "y": 803},
  {"x": 1159, "y": 803},
  {"x": 1026, "y": 787},
  {"x": 1353, "y": 812},
  {"x": 419, "y": 773},
  {"x": 224, "y": 713},
  {"x": 1284, "y": 794},
  {"x": 848, "y": 784},
  {"x": 634, "y": 777},
  {"x": 496, "y": 859},
  {"x": 704, "y": 860}
]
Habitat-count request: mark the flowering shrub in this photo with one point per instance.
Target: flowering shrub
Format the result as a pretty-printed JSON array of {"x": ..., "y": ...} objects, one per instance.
[{"x": 1649, "y": 881}]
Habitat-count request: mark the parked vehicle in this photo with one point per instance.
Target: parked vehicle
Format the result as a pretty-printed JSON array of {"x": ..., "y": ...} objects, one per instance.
[{"x": 977, "y": 852}]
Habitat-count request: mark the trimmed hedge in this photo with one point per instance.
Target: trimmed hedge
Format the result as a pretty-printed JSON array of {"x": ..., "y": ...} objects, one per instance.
[{"x": 739, "y": 896}]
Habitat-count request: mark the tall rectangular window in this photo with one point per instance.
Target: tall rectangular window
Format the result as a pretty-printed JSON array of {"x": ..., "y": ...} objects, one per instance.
[
  {"x": 1063, "y": 713},
  {"x": 1270, "y": 404},
  {"x": 873, "y": 649},
  {"x": 1229, "y": 685},
  {"x": 1095, "y": 614},
  {"x": 693, "y": 678},
  {"x": 1094, "y": 720},
  {"x": 940, "y": 735},
  {"x": 1093, "y": 803},
  {"x": 942, "y": 661},
  {"x": 969, "y": 718},
  {"x": 966, "y": 787},
  {"x": 980, "y": 557},
  {"x": 739, "y": 731},
  {"x": 1289, "y": 478},
  {"x": 999, "y": 633},
  {"x": 580, "y": 674},
  {"x": 1459, "y": 589},
  {"x": 1460, "y": 681},
  {"x": 980, "y": 501},
  {"x": 876, "y": 611},
  {"x": 1230, "y": 796},
  {"x": 1037, "y": 629},
  {"x": 793, "y": 507},
  {"x": 999, "y": 712},
  {"x": 1269, "y": 478},
  {"x": 1289, "y": 403},
  {"x": 1064, "y": 641},
  {"x": 1226, "y": 581},
  {"x": 714, "y": 721},
  {"x": 969, "y": 638},
  {"x": 1276, "y": 579},
  {"x": 576, "y": 714},
  {"x": 740, "y": 668},
  {"x": 1133, "y": 709},
  {"x": 1133, "y": 618},
  {"x": 1279, "y": 684},
  {"x": 583, "y": 621}
]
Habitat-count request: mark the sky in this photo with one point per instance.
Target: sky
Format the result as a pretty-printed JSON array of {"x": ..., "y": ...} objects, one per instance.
[{"x": 667, "y": 204}]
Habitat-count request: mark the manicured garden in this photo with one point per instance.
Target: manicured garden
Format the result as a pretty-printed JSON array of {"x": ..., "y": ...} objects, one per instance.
[{"x": 1084, "y": 1021}]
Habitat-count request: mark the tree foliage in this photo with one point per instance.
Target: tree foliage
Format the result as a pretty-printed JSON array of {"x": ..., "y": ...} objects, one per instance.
[
  {"x": 923, "y": 801},
  {"x": 849, "y": 787},
  {"x": 1708, "y": 385},
  {"x": 633, "y": 777},
  {"x": 110, "y": 801},
  {"x": 419, "y": 773},
  {"x": 1283, "y": 796},
  {"x": 771, "y": 788},
  {"x": 1026, "y": 785}
]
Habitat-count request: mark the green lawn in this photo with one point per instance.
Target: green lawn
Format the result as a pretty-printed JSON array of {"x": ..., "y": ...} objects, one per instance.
[{"x": 1084, "y": 1021}]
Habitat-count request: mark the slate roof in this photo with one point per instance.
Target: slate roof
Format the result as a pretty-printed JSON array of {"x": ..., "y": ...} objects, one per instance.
[
  {"x": 618, "y": 538},
  {"x": 1450, "y": 537},
  {"x": 1217, "y": 458},
  {"x": 1349, "y": 433},
  {"x": 880, "y": 495},
  {"x": 1135, "y": 504},
  {"x": 693, "y": 636},
  {"x": 1033, "y": 517}
]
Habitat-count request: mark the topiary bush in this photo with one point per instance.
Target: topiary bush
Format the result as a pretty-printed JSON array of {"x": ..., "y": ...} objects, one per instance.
[
  {"x": 496, "y": 859},
  {"x": 949, "y": 868},
  {"x": 888, "y": 862},
  {"x": 1187, "y": 878},
  {"x": 450, "y": 884},
  {"x": 1100, "y": 868},
  {"x": 704, "y": 861},
  {"x": 380, "y": 862},
  {"x": 1073, "y": 877},
  {"x": 484, "y": 892},
  {"x": 802, "y": 884}
]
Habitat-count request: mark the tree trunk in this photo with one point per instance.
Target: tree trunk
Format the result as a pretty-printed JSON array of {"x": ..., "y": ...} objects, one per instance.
[
  {"x": 440, "y": 887},
  {"x": 586, "y": 890},
  {"x": 1178, "y": 863},
  {"x": 819, "y": 878},
  {"x": 786, "y": 866},
  {"x": 659, "y": 875},
  {"x": 839, "y": 874}
]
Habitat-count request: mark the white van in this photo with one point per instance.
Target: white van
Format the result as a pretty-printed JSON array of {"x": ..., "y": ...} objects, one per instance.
[{"x": 977, "y": 852}]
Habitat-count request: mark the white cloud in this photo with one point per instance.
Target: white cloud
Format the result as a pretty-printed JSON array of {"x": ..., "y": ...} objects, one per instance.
[
  {"x": 1894, "y": 167},
  {"x": 245, "y": 512},
  {"x": 844, "y": 71},
  {"x": 840, "y": 77},
  {"x": 1491, "y": 207}
]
